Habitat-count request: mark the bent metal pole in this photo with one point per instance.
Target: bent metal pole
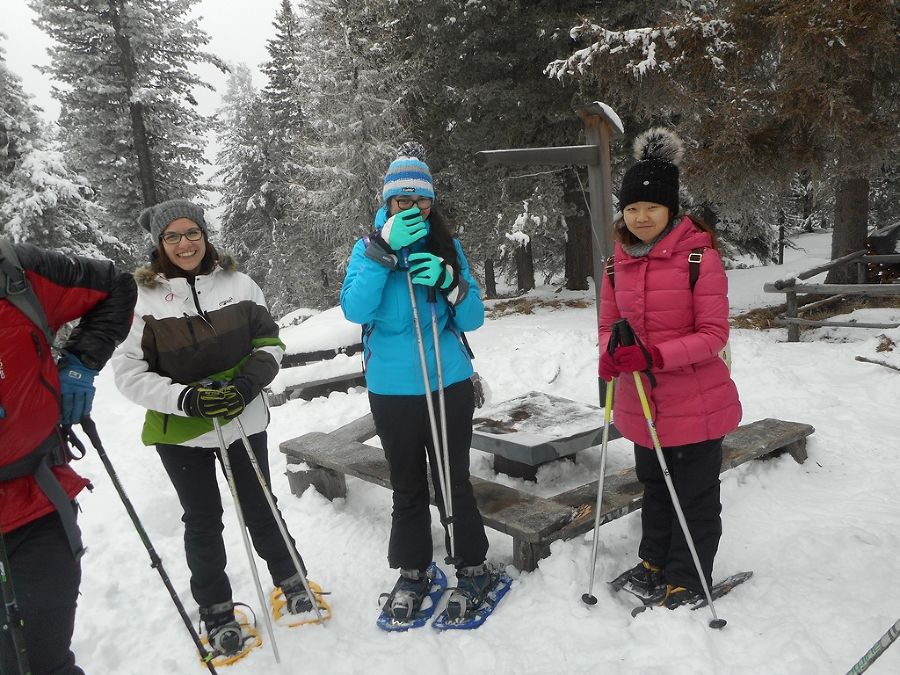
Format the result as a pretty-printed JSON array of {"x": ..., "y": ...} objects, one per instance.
[
  {"x": 589, "y": 598},
  {"x": 626, "y": 338},
  {"x": 91, "y": 430},
  {"x": 443, "y": 455},
  {"x": 229, "y": 475},
  {"x": 267, "y": 492},
  {"x": 442, "y": 480}
]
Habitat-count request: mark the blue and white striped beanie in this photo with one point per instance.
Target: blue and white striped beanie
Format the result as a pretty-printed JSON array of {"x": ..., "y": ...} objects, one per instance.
[{"x": 408, "y": 174}]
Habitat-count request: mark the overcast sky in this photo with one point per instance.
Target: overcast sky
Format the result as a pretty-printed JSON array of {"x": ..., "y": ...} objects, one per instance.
[{"x": 238, "y": 32}]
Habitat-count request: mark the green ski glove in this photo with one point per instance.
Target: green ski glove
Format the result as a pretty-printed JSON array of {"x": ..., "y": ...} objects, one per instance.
[
  {"x": 428, "y": 269},
  {"x": 403, "y": 228}
]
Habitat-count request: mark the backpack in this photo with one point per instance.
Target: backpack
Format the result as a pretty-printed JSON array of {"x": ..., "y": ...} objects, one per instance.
[
  {"x": 52, "y": 451},
  {"x": 694, "y": 259},
  {"x": 15, "y": 288}
]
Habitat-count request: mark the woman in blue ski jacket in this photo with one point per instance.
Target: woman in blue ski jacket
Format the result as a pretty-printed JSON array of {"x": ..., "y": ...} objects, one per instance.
[{"x": 412, "y": 240}]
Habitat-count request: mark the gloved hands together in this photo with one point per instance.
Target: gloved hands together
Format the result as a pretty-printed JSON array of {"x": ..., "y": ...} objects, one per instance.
[
  {"x": 403, "y": 228},
  {"x": 428, "y": 269},
  {"x": 224, "y": 400},
  {"x": 629, "y": 359},
  {"x": 76, "y": 388}
]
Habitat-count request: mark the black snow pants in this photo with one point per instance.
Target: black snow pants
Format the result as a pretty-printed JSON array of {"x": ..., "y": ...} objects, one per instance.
[
  {"x": 403, "y": 426},
  {"x": 193, "y": 473},
  {"x": 45, "y": 577},
  {"x": 694, "y": 470}
]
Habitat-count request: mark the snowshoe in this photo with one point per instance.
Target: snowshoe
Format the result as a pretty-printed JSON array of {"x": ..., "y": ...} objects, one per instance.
[
  {"x": 645, "y": 581},
  {"x": 477, "y": 593},
  {"x": 230, "y": 636},
  {"x": 413, "y": 599},
  {"x": 678, "y": 596},
  {"x": 292, "y": 606}
]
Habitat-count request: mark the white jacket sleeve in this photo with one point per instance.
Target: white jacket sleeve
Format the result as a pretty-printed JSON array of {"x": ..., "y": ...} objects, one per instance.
[{"x": 134, "y": 379}]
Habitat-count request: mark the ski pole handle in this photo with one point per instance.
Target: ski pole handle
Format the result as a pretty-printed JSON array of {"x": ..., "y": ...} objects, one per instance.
[{"x": 622, "y": 335}]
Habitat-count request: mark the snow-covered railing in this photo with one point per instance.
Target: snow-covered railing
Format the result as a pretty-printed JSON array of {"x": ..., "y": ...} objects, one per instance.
[{"x": 320, "y": 357}]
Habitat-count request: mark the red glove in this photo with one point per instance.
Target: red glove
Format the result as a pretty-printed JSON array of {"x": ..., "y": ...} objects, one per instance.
[
  {"x": 608, "y": 367},
  {"x": 631, "y": 358}
]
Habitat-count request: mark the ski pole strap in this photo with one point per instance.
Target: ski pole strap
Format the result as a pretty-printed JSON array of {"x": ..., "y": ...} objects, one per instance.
[{"x": 37, "y": 465}]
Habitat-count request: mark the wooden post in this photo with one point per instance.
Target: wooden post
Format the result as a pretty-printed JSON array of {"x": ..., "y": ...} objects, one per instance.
[
  {"x": 600, "y": 125},
  {"x": 791, "y": 312},
  {"x": 598, "y": 129}
]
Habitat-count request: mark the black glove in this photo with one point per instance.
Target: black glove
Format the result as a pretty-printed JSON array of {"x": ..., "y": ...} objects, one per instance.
[
  {"x": 206, "y": 402},
  {"x": 239, "y": 393}
]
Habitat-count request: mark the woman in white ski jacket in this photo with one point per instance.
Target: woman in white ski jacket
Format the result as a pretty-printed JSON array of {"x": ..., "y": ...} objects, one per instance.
[{"x": 203, "y": 345}]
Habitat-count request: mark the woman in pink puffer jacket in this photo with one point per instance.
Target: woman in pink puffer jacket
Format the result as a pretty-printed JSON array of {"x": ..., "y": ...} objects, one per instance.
[{"x": 682, "y": 327}]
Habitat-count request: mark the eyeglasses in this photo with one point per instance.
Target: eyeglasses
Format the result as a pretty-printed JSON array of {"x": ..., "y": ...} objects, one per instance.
[
  {"x": 194, "y": 234},
  {"x": 407, "y": 202}
]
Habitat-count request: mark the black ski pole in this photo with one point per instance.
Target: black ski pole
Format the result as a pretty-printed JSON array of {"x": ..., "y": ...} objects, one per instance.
[
  {"x": 91, "y": 430},
  {"x": 877, "y": 650},
  {"x": 13, "y": 620}
]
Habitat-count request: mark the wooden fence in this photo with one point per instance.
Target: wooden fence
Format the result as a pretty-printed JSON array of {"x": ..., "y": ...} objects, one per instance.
[{"x": 860, "y": 260}]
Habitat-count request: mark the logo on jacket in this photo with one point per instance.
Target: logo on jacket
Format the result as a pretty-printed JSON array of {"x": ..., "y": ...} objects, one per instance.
[
  {"x": 226, "y": 301},
  {"x": 170, "y": 297}
]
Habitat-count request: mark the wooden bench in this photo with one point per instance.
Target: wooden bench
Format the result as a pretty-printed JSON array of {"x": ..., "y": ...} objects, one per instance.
[{"x": 533, "y": 522}]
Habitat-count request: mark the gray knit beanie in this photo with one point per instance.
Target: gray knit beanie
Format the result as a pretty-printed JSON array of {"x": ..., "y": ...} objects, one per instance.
[{"x": 156, "y": 218}]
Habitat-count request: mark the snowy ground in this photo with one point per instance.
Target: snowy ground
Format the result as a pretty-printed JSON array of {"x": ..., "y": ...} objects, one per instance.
[{"x": 822, "y": 537}]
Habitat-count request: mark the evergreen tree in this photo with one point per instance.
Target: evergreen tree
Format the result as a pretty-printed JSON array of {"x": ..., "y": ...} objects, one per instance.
[
  {"x": 764, "y": 89},
  {"x": 41, "y": 200},
  {"x": 340, "y": 149},
  {"x": 249, "y": 204},
  {"x": 128, "y": 118}
]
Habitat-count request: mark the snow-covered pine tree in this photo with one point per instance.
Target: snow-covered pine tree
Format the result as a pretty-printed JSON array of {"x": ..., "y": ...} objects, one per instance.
[
  {"x": 128, "y": 120},
  {"x": 249, "y": 209},
  {"x": 348, "y": 136},
  {"x": 764, "y": 88},
  {"x": 42, "y": 202},
  {"x": 473, "y": 75}
]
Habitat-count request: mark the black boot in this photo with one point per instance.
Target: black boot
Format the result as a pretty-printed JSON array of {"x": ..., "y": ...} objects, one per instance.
[
  {"x": 409, "y": 592},
  {"x": 295, "y": 595},
  {"x": 223, "y": 632},
  {"x": 646, "y": 580},
  {"x": 472, "y": 586}
]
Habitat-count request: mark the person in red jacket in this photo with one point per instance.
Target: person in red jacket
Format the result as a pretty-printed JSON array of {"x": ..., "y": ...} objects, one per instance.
[
  {"x": 682, "y": 325},
  {"x": 39, "y": 395}
]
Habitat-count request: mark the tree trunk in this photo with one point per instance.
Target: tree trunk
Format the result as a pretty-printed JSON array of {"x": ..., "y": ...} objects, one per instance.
[
  {"x": 490, "y": 281},
  {"x": 524, "y": 268},
  {"x": 578, "y": 252},
  {"x": 146, "y": 175},
  {"x": 851, "y": 199},
  {"x": 851, "y": 212}
]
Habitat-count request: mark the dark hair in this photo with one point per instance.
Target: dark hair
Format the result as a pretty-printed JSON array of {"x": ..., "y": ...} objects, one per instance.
[
  {"x": 625, "y": 236},
  {"x": 161, "y": 264},
  {"x": 440, "y": 240}
]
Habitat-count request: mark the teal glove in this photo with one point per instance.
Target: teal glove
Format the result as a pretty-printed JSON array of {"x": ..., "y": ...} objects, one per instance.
[
  {"x": 404, "y": 228},
  {"x": 428, "y": 269}
]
